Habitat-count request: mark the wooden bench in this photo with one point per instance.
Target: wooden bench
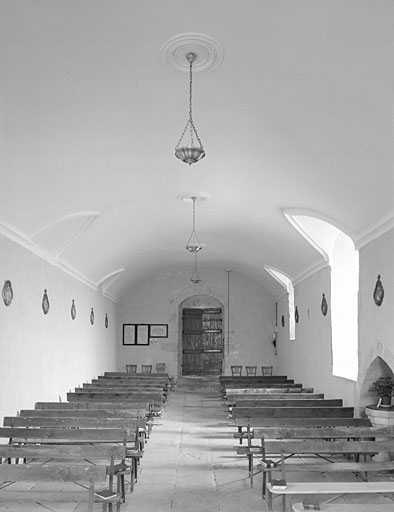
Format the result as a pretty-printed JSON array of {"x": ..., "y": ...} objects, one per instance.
[
  {"x": 53, "y": 463},
  {"x": 333, "y": 453},
  {"x": 310, "y": 433}
]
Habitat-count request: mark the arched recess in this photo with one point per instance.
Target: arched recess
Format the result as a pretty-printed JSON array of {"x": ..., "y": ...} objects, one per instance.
[
  {"x": 201, "y": 336},
  {"x": 336, "y": 247},
  {"x": 378, "y": 368}
]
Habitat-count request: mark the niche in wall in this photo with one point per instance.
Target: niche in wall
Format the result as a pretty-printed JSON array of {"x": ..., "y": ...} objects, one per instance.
[{"x": 377, "y": 368}]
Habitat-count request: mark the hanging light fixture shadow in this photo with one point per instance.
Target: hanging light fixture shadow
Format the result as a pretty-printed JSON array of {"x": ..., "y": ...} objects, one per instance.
[{"x": 191, "y": 153}]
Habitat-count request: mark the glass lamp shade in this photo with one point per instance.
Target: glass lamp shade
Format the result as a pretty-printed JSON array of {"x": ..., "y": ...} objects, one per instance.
[
  {"x": 195, "y": 277},
  {"x": 190, "y": 154},
  {"x": 193, "y": 244}
]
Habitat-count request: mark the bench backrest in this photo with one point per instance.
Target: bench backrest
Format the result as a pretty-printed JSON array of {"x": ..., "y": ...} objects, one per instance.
[
  {"x": 111, "y": 397},
  {"x": 301, "y": 422},
  {"x": 74, "y": 422},
  {"x": 288, "y": 402},
  {"x": 84, "y": 413},
  {"x": 53, "y": 472},
  {"x": 68, "y": 435},
  {"x": 293, "y": 412},
  {"x": 321, "y": 432},
  {"x": 58, "y": 451},
  {"x": 137, "y": 405},
  {"x": 324, "y": 446}
]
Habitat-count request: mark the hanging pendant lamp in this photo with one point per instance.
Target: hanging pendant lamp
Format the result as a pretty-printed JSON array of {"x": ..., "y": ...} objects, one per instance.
[
  {"x": 190, "y": 153},
  {"x": 193, "y": 244},
  {"x": 195, "y": 278}
]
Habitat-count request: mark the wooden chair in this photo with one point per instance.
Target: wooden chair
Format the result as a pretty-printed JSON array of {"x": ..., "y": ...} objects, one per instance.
[
  {"x": 131, "y": 368},
  {"x": 236, "y": 370},
  {"x": 160, "y": 367},
  {"x": 251, "y": 370},
  {"x": 266, "y": 370},
  {"x": 146, "y": 368}
]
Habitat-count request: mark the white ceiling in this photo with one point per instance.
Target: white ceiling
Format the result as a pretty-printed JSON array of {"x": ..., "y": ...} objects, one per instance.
[{"x": 298, "y": 116}]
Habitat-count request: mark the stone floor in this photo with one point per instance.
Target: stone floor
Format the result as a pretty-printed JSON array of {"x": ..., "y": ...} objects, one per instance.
[{"x": 190, "y": 464}]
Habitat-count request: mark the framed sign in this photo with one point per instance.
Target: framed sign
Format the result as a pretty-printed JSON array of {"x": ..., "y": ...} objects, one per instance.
[
  {"x": 158, "y": 330},
  {"x": 135, "y": 334}
]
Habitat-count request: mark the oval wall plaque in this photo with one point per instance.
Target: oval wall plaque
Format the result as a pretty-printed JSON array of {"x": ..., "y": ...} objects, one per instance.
[
  {"x": 7, "y": 293},
  {"x": 45, "y": 303},
  {"x": 324, "y": 305},
  {"x": 73, "y": 310},
  {"x": 378, "y": 293}
]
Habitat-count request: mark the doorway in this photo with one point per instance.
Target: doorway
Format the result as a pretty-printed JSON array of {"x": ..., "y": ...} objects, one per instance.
[{"x": 202, "y": 341}]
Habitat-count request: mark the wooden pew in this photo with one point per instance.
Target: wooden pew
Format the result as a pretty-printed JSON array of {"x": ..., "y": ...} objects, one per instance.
[
  {"x": 129, "y": 438},
  {"x": 298, "y": 433},
  {"x": 245, "y": 425},
  {"x": 326, "y": 447},
  {"x": 75, "y": 469}
]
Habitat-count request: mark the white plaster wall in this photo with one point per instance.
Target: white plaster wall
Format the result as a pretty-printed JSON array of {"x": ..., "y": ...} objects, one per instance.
[
  {"x": 308, "y": 359},
  {"x": 376, "y": 323},
  {"x": 247, "y": 330},
  {"x": 44, "y": 356}
]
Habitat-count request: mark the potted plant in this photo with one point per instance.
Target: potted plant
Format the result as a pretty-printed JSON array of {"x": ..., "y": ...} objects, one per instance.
[{"x": 383, "y": 387}]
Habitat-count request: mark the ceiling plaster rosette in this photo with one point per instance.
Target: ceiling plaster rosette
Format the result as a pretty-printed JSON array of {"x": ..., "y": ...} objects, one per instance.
[{"x": 209, "y": 53}]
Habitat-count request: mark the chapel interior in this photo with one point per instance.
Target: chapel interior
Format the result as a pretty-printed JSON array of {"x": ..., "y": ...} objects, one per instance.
[{"x": 273, "y": 248}]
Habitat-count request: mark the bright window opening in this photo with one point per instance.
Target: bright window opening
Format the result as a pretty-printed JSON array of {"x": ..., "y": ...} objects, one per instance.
[
  {"x": 338, "y": 249},
  {"x": 287, "y": 283}
]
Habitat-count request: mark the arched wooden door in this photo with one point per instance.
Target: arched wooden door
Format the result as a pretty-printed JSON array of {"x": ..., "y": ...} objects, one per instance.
[{"x": 202, "y": 342}]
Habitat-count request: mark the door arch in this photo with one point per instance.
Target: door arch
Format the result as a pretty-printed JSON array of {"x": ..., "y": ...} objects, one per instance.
[{"x": 202, "y": 336}]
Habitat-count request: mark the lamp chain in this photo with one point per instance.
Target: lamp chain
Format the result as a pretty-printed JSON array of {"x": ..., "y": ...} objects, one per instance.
[{"x": 190, "y": 122}]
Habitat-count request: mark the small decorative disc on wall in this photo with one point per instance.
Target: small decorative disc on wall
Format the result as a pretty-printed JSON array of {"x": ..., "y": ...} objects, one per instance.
[
  {"x": 378, "y": 293},
  {"x": 7, "y": 293},
  {"x": 45, "y": 303},
  {"x": 92, "y": 317},
  {"x": 296, "y": 315},
  {"x": 73, "y": 310},
  {"x": 283, "y": 320},
  {"x": 324, "y": 306},
  {"x": 106, "y": 321}
]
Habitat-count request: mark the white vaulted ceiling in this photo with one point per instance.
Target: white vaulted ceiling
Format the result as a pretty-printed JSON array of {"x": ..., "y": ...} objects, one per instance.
[{"x": 298, "y": 116}]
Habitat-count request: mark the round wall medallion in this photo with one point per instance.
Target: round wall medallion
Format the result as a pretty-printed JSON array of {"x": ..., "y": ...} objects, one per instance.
[
  {"x": 106, "y": 321},
  {"x": 296, "y": 315},
  {"x": 7, "y": 293},
  {"x": 324, "y": 305},
  {"x": 45, "y": 303},
  {"x": 92, "y": 316},
  {"x": 209, "y": 53},
  {"x": 73, "y": 310}
]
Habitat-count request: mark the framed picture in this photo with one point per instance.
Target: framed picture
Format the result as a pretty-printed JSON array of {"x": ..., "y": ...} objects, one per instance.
[
  {"x": 135, "y": 334},
  {"x": 158, "y": 330}
]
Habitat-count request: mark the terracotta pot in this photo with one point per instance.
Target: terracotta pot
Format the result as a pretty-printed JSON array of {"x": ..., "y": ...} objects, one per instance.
[{"x": 385, "y": 401}]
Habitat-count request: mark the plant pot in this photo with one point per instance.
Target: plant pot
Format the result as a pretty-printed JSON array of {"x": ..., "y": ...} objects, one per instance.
[{"x": 384, "y": 401}]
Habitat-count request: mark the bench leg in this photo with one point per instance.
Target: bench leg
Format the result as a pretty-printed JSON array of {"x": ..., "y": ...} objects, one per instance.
[{"x": 269, "y": 500}]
